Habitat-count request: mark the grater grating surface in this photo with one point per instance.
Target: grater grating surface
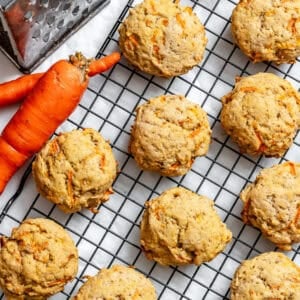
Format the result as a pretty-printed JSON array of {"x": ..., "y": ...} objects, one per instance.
[
  {"x": 112, "y": 236},
  {"x": 29, "y": 29}
]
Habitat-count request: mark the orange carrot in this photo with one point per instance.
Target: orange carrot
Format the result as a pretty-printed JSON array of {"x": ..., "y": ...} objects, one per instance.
[
  {"x": 15, "y": 90},
  {"x": 48, "y": 104}
]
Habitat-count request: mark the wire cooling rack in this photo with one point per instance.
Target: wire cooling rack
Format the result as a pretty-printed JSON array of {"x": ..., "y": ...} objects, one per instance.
[{"x": 112, "y": 235}]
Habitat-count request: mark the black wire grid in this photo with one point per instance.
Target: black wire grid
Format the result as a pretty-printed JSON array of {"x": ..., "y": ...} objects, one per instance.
[{"x": 112, "y": 235}]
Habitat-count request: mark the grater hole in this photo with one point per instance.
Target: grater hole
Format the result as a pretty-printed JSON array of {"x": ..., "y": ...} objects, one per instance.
[
  {"x": 46, "y": 37},
  {"x": 70, "y": 24},
  {"x": 54, "y": 3},
  {"x": 60, "y": 24},
  {"x": 75, "y": 11},
  {"x": 85, "y": 12},
  {"x": 66, "y": 6},
  {"x": 50, "y": 19},
  {"x": 28, "y": 15},
  {"x": 39, "y": 18},
  {"x": 36, "y": 34},
  {"x": 89, "y": 1},
  {"x": 44, "y": 3}
]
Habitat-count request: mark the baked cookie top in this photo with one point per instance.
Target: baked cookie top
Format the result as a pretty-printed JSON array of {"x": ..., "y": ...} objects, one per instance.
[
  {"x": 271, "y": 275},
  {"x": 37, "y": 260},
  {"x": 261, "y": 114},
  {"x": 162, "y": 38},
  {"x": 180, "y": 227},
  {"x": 75, "y": 170},
  {"x": 272, "y": 204},
  {"x": 169, "y": 132},
  {"x": 118, "y": 282},
  {"x": 268, "y": 30}
]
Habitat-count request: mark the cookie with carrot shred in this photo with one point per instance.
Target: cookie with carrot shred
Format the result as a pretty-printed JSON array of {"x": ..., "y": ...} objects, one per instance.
[
  {"x": 37, "y": 260},
  {"x": 162, "y": 38},
  {"x": 117, "y": 282},
  {"x": 261, "y": 114},
  {"x": 75, "y": 170},
  {"x": 272, "y": 204},
  {"x": 180, "y": 227},
  {"x": 169, "y": 132},
  {"x": 268, "y": 30},
  {"x": 271, "y": 275}
]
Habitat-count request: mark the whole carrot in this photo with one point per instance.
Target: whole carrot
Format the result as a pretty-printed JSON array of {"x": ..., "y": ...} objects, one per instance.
[
  {"x": 15, "y": 90},
  {"x": 48, "y": 104}
]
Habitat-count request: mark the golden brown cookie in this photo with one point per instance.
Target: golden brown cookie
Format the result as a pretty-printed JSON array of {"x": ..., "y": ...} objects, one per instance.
[
  {"x": 37, "y": 261},
  {"x": 168, "y": 134},
  {"x": 118, "y": 282},
  {"x": 268, "y": 30},
  {"x": 75, "y": 170},
  {"x": 162, "y": 38},
  {"x": 180, "y": 227},
  {"x": 272, "y": 204},
  {"x": 268, "y": 276},
  {"x": 261, "y": 114}
]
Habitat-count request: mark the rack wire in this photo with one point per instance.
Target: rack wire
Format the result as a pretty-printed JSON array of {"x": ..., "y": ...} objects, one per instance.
[{"x": 112, "y": 235}]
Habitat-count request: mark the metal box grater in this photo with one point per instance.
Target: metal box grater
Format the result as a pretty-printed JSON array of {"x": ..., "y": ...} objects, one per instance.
[{"x": 31, "y": 29}]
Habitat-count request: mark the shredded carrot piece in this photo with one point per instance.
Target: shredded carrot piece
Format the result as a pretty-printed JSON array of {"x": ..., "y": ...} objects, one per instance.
[
  {"x": 227, "y": 98},
  {"x": 133, "y": 39},
  {"x": 292, "y": 25},
  {"x": 175, "y": 165},
  {"x": 180, "y": 20},
  {"x": 163, "y": 98},
  {"x": 297, "y": 217},
  {"x": 165, "y": 22},
  {"x": 245, "y": 2},
  {"x": 270, "y": 12},
  {"x": 154, "y": 36},
  {"x": 54, "y": 147},
  {"x": 248, "y": 89},
  {"x": 57, "y": 282},
  {"x": 262, "y": 147},
  {"x": 128, "y": 44},
  {"x": 189, "y": 10},
  {"x": 156, "y": 50},
  {"x": 157, "y": 213},
  {"x": 39, "y": 247},
  {"x": 195, "y": 132},
  {"x": 94, "y": 210},
  {"x": 292, "y": 168},
  {"x": 152, "y": 4},
  {"x": 102, "y": 162},
  {"x": 256, "y": 56},
  {"x": 109, "y": 192}
]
